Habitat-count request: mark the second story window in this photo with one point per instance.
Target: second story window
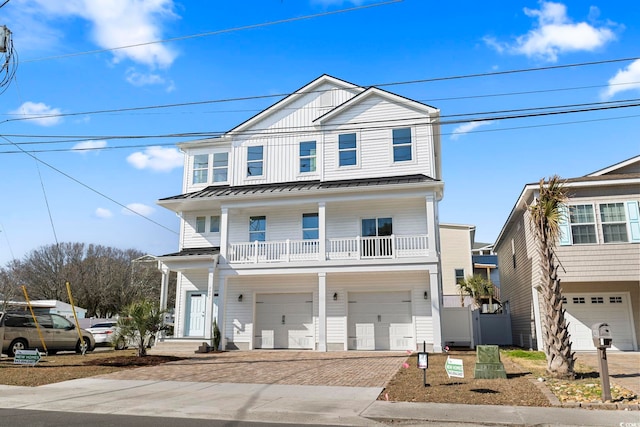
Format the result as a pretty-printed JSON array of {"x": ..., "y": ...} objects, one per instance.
[
  {"x": 257, "y": 228},
  {"x": 310, "y": 228},
  {"x": 307, "y": 156},
  {"x": 347, "y": 149},
  {"x": 583, "y": 224},
  {"x": 201, "y": 224},
  {"x": 214, "y": 224},
  {"x": 459, "y": 275},
  {"x": 255, "y": 161},
  {"x": 220, "y": 167},
  {"x": 614, "y": 222},
  {"x": 402, "y": 145},
  {"x": 200, "y": 168}
]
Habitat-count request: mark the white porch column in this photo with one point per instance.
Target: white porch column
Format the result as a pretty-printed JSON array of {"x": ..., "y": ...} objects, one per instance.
[
  {"x": 224, "y": 233},
  {"x": 322, "y": 231},
  {"x": 208, "y": 311},
  {"x": 164, "y": 287},
  {"x": 322, "y": 311},
  {"x": 432, "y": 225},
  {"x": 222, "y": 303},
  {"x": 434, "y": 289}
]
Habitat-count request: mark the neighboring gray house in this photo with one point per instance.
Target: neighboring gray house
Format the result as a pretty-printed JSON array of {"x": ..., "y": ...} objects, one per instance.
[{"x": 599, "y": 255}]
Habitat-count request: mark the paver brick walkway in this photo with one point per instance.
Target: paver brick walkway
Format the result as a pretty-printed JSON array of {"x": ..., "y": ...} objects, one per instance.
[{"x": 350, "y": 369}]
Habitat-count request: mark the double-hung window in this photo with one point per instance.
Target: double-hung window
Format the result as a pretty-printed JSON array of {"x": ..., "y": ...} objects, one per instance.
[
  {"x": 402, "y": 145},
  {"x": 214, "y": 224},
  {"x": 583, "y": 224},
  {"x": 459, "y": 275},
  {"x": 220, "y": 167},
  {"x": 200, "y": 168},
  {"x": 614, "y": 222},
  {"x": 307, "y": 156},
  {"x": 347, "y": 149},
  {"x": 255, "y": 160},
  {"x": 201, "y": 224},
  {"x": 257, "y": 228},
  {"x": 310, "y": 228}
]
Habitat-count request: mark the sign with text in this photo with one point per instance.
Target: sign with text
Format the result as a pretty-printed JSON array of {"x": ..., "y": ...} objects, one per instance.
[
  {"x": 454, "y": 368},
  {"x": 423, "y": 360},
  {"x": 26, "y": 357}
]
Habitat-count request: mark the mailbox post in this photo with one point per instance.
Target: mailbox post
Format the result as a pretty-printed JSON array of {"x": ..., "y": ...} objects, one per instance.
[{"x": 602, "y": 339}]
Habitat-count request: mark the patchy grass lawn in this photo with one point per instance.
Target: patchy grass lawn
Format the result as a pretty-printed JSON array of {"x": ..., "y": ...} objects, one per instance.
[{"x": 70, "y": 366}]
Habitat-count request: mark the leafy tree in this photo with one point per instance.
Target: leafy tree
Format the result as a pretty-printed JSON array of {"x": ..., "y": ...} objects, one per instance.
[
  {"x": 140, "y": 323},
  {"x": 477, "y": 287},
  {"x": 545, "y": 214}
]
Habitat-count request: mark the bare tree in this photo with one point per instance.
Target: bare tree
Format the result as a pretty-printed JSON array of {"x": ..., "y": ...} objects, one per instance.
[{"x": 545, "y": 215}]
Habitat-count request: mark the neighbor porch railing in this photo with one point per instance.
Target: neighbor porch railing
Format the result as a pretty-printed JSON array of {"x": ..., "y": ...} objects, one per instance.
[{"x": 349, "y": 248}]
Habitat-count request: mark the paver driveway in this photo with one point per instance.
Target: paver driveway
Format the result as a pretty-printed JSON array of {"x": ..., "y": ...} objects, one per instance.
[{"x": 350, "y": 369}]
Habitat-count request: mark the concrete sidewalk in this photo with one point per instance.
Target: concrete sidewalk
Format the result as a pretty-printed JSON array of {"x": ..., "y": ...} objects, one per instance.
[{"x": 296, "y": 404}]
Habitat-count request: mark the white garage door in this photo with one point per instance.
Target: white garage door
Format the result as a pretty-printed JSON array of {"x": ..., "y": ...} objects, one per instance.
[
  {"x": 380, "y": 321},
  {"x": 586, "y": 309},
  {"x": 284, "y": 321}
]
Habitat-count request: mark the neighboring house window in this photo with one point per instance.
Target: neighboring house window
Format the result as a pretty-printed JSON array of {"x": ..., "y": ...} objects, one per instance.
[
  {"x": 583, "y": 226},
  {"x": 201, "y": 224},
  {"x": 257, "y": 228},
  {"x": 459, "y": 275},
  {"x": 402, "y": 145},
  {"x": 255, "y": 161},
  {"x": 307, "y": 156},
  {"x": 513, "y": 252},
  {"x": 614, "y": 222},
  {"x": 200, "y": 168},
  {"x": 214, "y": 224},
  {"x": 220, "y": 167},
  {"x": 347, "y": 149},
  {"x": 310, "y": 228}
]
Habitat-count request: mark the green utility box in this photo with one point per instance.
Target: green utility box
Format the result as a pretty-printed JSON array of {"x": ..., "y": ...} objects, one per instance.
[{"x": 488, "y": 364}]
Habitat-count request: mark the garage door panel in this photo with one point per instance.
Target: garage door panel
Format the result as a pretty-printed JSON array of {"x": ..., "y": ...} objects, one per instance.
[
  {"x": 380, "y": 321},
  {"x": 284, "y": 321},
  {"x": 585, "y": 309}
]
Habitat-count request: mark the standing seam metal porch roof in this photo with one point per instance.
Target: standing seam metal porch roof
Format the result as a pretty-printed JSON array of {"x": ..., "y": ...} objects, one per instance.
[{"x": 226, "y": 190}]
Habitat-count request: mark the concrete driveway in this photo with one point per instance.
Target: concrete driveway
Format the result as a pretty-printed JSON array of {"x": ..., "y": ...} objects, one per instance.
[
  {"x": 287, "y": 367},
  {"x": 624, "y": 367}
]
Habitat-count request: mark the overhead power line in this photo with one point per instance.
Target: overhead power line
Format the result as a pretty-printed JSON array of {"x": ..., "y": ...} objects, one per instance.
[{"x": 213, "y": 33}]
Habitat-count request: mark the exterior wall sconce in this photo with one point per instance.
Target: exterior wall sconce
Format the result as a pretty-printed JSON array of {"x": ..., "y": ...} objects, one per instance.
[
  {"x": 426, "y": 295},
  {"x": 335, "y": 296},
  {"x": 240, "y": 298}
]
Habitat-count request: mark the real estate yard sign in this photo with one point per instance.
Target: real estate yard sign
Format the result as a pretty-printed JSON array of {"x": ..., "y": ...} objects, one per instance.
[
  {"x": 26, "y": 357},
  {"x": 454, "y": 368}
]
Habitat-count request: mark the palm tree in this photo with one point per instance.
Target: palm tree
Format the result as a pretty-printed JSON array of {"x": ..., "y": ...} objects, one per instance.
[
  {"x": 545, "y": 215},
  {"x": 477, "y": 287},
  {"x": 139, "y": 323}
]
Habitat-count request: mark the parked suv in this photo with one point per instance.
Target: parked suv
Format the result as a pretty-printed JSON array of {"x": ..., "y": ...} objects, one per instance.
[{"x": 59, "y": 334}]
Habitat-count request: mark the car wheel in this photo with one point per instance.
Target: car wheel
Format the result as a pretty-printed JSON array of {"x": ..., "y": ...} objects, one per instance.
[
  {"x": 52, "y": 352},
  {"x": 84, "y": 343},
  {"x": 120, "y": 344},
  {"x": 17, "y": 344}
]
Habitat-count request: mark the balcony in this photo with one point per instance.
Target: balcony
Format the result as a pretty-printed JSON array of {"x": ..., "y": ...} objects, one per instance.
[{"x": 350, "y": 248}]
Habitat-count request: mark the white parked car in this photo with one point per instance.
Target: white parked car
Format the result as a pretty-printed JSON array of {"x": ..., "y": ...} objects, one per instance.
[{"x": 104, "y": 334}]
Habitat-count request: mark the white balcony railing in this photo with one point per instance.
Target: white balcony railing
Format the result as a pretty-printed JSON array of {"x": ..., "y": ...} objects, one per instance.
[{"x": 350, "y": 248}]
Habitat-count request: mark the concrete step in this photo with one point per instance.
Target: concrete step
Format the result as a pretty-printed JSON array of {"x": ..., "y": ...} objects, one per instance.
[{"x": 177, "y": 346}]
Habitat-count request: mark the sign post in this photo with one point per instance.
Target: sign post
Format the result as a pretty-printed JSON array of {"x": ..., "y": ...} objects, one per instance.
[
  {"x": 26, "y": 357},
  {"x": 423, "y": 361}
]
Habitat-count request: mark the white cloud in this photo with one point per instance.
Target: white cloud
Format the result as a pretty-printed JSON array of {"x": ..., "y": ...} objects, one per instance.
[
  {"x": 146, "y": 79},
  {"x": 103, "y": 213},
  {"x": 140, "y": 208},
  {"x": 626, "y": 79},
  {"x": 157, "y": 159},
  {"x": 116, "y": 23},
  {"x": 90, "y": 145},
  {"x": 555, "y": 33},
  {"x": 42, "y": 114},
  {"x": 467, "y": 127}
]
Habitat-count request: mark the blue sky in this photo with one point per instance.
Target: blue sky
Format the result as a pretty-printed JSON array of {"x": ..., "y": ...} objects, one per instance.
[{"x": 66, "y": 71}]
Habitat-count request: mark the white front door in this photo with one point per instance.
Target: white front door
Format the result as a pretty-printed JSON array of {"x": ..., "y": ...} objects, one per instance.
[
  {"x": 284, "y": 321},
  {"x": 380, "y": 321},
  {"x": 196, "y": 303}
]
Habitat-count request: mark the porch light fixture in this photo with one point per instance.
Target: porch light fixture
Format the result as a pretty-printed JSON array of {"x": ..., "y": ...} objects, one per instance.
[
  {"x": 240, "y": 298},
  {"x": 335, "y": 296},
  {"x": 426, "y": 295}
]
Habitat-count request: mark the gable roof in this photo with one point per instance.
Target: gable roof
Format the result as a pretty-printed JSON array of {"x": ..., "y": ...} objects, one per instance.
[
  {"x": 308, "y": 88},
  {"x": 617, "y": 167},
  {"x": 372, "y": 91}
]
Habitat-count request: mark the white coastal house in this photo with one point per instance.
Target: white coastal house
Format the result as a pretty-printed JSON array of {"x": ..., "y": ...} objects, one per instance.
[{"x": 313, "y": 225}]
